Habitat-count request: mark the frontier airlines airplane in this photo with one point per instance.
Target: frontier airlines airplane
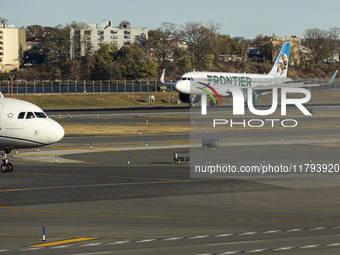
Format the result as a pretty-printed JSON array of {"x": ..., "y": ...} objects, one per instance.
[
  {"x": 24, "y": 125},
  {"x": 215, "y": 84}
]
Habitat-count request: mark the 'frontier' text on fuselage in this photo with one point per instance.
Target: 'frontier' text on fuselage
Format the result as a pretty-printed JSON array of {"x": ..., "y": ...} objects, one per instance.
[{"x": 237, "y": 81}]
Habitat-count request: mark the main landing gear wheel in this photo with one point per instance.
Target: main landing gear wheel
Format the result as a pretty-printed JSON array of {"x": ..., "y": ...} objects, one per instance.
[{"x": 6, "y": 167}]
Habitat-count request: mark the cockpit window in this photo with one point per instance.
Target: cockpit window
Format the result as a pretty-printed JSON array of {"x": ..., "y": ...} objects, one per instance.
[
  {"x": 40, "y": 115},
  {"x": 184, "y": 78},
  {"x": 21, "y": 115},
  {"x": 30, "y": 115}
]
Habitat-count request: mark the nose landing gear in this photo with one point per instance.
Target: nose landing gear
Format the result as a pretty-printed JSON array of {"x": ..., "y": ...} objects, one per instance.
[{"x": 6, "y": 166}]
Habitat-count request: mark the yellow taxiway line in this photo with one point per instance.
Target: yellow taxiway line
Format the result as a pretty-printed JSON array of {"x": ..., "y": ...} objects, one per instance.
[{"x": 74, "y": 240}]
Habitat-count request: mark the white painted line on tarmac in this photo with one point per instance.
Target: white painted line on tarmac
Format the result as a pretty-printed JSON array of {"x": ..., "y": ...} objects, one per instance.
[
  {"x": 274, "y": 249},
  {"x": 255, "y": 241},
  {"x": 94, "y": 253},
  {"x": 208, "y": 236}
]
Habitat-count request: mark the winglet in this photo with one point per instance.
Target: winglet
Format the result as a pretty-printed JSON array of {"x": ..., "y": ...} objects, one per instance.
[
  {"x": 162, "y": 76},
  {"x": 332, "y": 80},
  {"x": 1, "y": 95}
]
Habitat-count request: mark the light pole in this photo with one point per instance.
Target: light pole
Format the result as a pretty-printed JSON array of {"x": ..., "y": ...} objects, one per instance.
[{"x": 11, "y": 77}]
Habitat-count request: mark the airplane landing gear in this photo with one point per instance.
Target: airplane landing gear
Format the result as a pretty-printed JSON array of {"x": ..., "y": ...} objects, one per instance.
[{"x": 6, "y": 166}]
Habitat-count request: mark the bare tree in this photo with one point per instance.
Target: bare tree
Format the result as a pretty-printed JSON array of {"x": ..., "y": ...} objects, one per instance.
[
  {"x": 334, "y": 36},
  {"x": 317, "y": 40},
  {"x": 163, "y": 41},
  {"x": 200, "y": 39}
]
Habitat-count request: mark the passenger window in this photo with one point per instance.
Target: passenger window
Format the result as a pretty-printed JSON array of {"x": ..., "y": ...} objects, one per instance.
[
  {"x": 21, "y": 115},
  {"x": 30, "y": 115},
  {"x": 40, "y": 114}
]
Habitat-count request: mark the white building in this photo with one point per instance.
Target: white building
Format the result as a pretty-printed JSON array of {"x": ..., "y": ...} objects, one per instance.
[
  {"x": 87, "y": 41},
  {"x": 12, "y": 46}
]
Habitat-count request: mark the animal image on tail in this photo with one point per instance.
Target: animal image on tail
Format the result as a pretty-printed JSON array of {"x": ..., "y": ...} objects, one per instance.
[{"x": 283, "y": 64}]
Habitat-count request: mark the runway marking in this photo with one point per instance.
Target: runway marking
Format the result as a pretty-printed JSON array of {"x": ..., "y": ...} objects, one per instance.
[
  {"x": 69, "y": 237},
  {"x": 83, "y": 162},
  {"x": 74, "y": 240},
  {"x": 274, "y": 249},
  {"x": 193, "y": 237},
  {"x": 93, "y": 185},
  {"x": 94, "y": 253},
  {"x": 255, "y": 241},
  {"x": 85, "y": 149},
  {"x": 35, "y": 155},
  {"x": 143, "y": 123},
  {"x": 176, "y": 217},
  {"x": 105, "y": 176}
]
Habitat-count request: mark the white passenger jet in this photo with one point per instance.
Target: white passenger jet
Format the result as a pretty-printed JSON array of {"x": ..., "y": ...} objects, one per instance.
[
  {"x": 193, "y": 84},
  {"x": 24, "y": 125}
]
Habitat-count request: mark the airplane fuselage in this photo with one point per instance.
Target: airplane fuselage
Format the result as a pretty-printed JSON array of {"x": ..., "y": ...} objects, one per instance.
[
  {"x": 25, "y": 125},
  {"x": 221, "y": 83},
  {"x": 192, "y": 82}
]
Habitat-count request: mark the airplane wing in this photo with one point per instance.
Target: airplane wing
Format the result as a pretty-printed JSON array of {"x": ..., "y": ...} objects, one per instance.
[
  {"x": 166, "y": 83},
  {"x": 295, "y": 84}
]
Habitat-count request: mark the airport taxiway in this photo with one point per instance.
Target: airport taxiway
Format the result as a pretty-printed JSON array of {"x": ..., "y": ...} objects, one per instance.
[{"x": 97, "y": 203}]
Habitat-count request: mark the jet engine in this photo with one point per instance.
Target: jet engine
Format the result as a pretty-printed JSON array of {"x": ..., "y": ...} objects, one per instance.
[
  {"x": 245, "y": 93},
  {"x": 186, "y": 98}
]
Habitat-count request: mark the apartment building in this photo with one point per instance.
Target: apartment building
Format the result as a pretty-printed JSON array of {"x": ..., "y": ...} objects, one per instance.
[
  {"x": 12, "y": 46},
  {"x": 87, "y": 41}
]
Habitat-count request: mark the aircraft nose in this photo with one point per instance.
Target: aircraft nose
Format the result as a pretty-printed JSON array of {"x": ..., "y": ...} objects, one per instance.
[
  {"x": 55, "y": 132},
  {"x": 183, "y": 86}
]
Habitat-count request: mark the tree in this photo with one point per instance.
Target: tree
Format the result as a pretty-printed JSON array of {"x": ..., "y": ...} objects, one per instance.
[
  {"x": 163, "y": 42},
  {"x": 88, "y": 64},
  {"x": 182, "y": 60},
  {"x": 263, "y": 43},
  {"x": 57, "y": 73},
  {"x": 334, "y": 36},
  {"x": 131, "y": 61},
  {"x": 200, "y": 39},
  {"x": 317, "y": 40},
  {"x": 105, "y": 56},
  {"x": 226, "y": 46},
  {"x": 3, "y": 22}
]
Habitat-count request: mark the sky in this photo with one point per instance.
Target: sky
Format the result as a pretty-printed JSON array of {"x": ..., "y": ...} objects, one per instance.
[{"x": 238, "y": 18}]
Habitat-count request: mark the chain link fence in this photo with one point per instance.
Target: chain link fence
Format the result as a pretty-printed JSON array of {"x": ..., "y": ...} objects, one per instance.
[
  {"x": 51, "y": 87},
  {"x": 326, "y": 82}
]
